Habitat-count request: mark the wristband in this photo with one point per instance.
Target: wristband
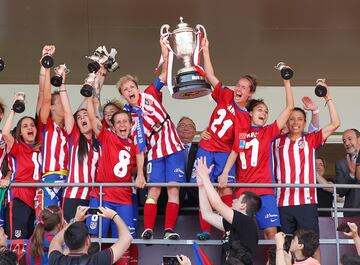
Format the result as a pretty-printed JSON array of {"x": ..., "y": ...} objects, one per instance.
[
  {"x": 315, "y": 111},
  {"x": 62, "y": 90},
  {"x": 112, "y": 219}
]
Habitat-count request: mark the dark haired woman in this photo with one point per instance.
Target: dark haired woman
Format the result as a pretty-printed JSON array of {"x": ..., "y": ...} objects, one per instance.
[
  {"x": 50, "y": 223},
  {"x": 294, "y": 163},
  {"x": 84, "y": 155},
  {"x": 229, "y": 119},
  {"x": 24, "y": 162},
  {"x": 109, "y": 109}
]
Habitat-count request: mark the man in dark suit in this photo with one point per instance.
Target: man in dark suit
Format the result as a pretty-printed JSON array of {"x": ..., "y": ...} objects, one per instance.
[
  {"x": 346, "y": 171},
  {"x": 186, "y": 130}
]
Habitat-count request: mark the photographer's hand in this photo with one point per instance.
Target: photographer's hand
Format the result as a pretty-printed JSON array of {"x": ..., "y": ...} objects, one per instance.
[
  {"x": 183, "y": 260},
  {"x": 81, "y": 215}
]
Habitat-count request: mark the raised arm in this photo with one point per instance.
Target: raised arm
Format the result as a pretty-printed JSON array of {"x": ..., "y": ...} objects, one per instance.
[
  {"x": 203, "y": 173},
  {"x": 46, "y": 103},
  {"x": 309, "y": 104},
  {"x": 334, "y": 117},
  {"x": 99, "y": 82},
  {"x": 6, "y": 131},
  {"x": 207, "y": 212},
  {"x": 124, "y": 237},
  {"x": 284, "y": 115},
  {"x": 210, "y": 75},
  {"x": 95, "y": 122},
  {"x": 165, "y": 55},
  {"x": 68, "y": 117}
]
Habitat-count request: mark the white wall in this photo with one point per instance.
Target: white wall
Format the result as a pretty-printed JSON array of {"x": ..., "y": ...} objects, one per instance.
[{"x": 345, "y": 99}]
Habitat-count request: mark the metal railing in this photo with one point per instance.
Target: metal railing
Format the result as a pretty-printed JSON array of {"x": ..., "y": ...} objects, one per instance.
[{"x": 100, "y": 239}]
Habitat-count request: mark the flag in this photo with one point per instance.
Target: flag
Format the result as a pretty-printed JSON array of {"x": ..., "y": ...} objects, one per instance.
[{"x": 200, "y": 256}]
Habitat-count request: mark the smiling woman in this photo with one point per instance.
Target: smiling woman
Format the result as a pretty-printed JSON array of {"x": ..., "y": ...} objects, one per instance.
[{"x": 24, "y": 164}]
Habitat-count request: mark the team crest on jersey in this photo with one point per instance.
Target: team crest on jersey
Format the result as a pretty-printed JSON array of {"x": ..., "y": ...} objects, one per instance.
[
  {"x": 17, "y": 233},
  {"x": 93, "y": 225},
  {"x": 301, "y": 144},
  {"x": 148, "y": 102}
]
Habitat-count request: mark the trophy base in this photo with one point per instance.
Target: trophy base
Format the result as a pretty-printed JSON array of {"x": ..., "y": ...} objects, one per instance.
[
  {"x": 86, "y": 91},
  {"x": 56, "y": 81},
  {"x": 47, "y": 61},
  {"x": 190, "y": 85},
  {"x": 18, "y": 106}
]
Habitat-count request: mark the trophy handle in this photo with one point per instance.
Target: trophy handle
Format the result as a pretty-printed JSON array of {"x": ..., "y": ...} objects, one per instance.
[
  {"x": 201, "y": 27},
  {"x": 165, "y": 27}
]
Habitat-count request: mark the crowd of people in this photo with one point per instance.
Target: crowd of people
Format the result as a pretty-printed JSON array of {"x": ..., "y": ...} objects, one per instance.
[{"x": 138, "y": 142}]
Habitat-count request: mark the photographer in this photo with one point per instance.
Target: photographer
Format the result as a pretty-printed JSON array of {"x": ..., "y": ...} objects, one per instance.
[
  {"x": 303, "y": 245},
  {"x": 78, "y": 241}
]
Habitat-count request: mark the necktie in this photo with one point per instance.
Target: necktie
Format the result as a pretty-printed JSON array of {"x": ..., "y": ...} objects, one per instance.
[{"x": 186, "y": 154}]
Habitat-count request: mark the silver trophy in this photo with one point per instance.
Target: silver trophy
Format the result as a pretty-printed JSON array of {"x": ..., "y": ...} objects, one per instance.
[
  {"x": 320, "y": 90},
  {"x": 19, "y": 104},
  {"x": 57, "y": 79},
  {"x": 189, "y": 83},
  {"x": 286, "y": 72},
  {"x": 102, "y": 57},
  {"x": 88, "y": 85}
]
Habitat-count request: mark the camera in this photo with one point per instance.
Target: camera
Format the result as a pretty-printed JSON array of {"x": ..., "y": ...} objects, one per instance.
[
  {"x": 93, "y": 211},
  {"x": 170, "y": 260},
  {"x": 57, "y": 79},
  {"x": 102, "y": 57},
  {"x": 2, "y": 64},
  {"x": 19, "y": 104},
  {"x": 320, "y": 90},
  {"x": 88, "y": 85},
  {"x": 286, "y": 72}
]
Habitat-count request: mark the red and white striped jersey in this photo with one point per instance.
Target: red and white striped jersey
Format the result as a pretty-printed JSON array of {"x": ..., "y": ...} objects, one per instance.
[
  {"x": 80, "y": 172},
  {"x": 224, "y": 119},
  {"x": 294, "y": 163},
  {"x": 160, "y": 132},
  {"x": 2, "y": 153},
  {"x": 25, "y": 165},
  {"x": 55, "y": 146}
]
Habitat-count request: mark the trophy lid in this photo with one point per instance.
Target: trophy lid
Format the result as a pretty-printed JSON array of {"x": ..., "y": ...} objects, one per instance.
[{"x": 182, "y": 26}]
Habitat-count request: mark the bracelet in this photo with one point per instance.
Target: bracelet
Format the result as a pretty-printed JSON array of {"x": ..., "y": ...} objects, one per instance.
[
  {"x": 42, "y": 75},
  {"x": 326, "y": 102},
  {"x": 280, "y": 249},
  {"x": 62, "y": 90},
  {"x": 316, "y": 111},
  {"x": 72, "y": 220},
  {"x": 112, "y": 219}
]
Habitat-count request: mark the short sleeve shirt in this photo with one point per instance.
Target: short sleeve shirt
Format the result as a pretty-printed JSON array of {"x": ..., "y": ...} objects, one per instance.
[{"x": 104, "y": 257}]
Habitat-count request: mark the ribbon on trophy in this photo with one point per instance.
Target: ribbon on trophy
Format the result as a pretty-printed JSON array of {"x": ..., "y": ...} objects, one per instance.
[
  {"x": 140, "y": 139},
  {"x": 169, "y": 64}
]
